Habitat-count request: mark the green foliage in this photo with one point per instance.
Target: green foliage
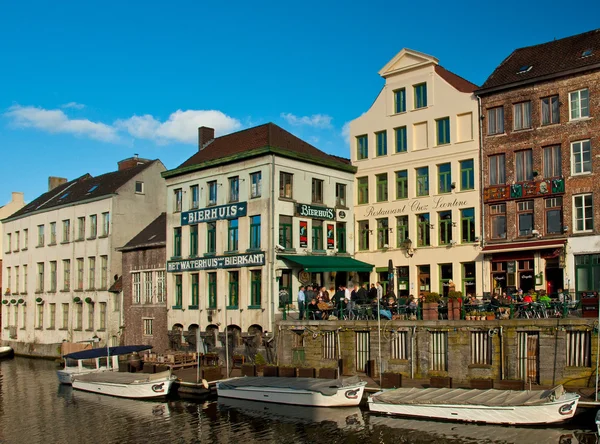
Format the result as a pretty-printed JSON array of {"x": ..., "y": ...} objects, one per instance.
[
  {"x": 432, "y": 297},
  {"x": 455, "y": 294},
  {"x": 259, "y": 359}
]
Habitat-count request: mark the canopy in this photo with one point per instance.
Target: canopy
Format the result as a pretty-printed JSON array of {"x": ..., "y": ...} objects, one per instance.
[
  {"x": 327, "y": 263},
  {"x": 102, "y": 352}
]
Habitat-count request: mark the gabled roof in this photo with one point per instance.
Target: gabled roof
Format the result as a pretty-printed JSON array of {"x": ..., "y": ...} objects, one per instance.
[
  {"x": 81, "y": 189},
  {"x": 547, "y": 60},
  {"x": 257, "y": 141},
  {"x": 456, "y": 81},
  {"x": 405, "y": 60},
  {"x": 154, "y": 235},
  {"x": 117, "y": 285}
]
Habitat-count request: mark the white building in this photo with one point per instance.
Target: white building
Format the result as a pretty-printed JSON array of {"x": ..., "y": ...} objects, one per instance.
[
  {"x": 60, "y": 256},
  {"x": 417, "y": 195},
  {"x": 250, "y": 215}
]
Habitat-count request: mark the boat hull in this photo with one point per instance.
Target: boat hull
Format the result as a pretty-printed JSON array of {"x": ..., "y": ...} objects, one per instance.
[
  {"x": 552, "y": 412},
  {"x": 6, "y": 352},
  {"x": 66, "y": 377},
  {"x": 153, "y": 389},
  {"x": 348, "y": 396}
]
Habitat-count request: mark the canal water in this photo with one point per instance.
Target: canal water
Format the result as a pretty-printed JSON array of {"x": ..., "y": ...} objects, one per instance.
[{"x": 35, "y": 409}]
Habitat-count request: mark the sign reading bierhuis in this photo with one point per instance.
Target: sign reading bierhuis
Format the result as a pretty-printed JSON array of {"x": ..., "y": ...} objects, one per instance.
[
  {"x": 221, "y": 212},
  {"x": 311, "y": 212},
  {"x": 213, "y": 263}
]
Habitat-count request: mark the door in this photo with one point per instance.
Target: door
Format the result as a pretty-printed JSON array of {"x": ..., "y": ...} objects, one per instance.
[
  {"x": 528, "y": 357},
  {"x": 363, "y": 351}
]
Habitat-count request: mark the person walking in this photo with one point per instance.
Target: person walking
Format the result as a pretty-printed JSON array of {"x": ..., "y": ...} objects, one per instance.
[{"x": 301, "y": 301}]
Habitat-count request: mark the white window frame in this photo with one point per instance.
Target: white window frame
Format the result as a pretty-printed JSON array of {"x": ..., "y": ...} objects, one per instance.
[
  {"x": 580, "y": 145},
  {"x": 160, "y": 287},
  {"x": 399, "y": 345},
  {"x": 40, "y": 316},
  {"x": 136, "y": 286},
  {"x": 147, "y": 326},
  {"x": 330, "y": 344},
  {"x": 591, "y": 211},
  {"x": 577, "y": 100},
  {"x": 148, "y": 296},
  {"x": 578, "y": 348},
  {"x": 525, "y": 122},
  {"x": 481, "y": 348}
]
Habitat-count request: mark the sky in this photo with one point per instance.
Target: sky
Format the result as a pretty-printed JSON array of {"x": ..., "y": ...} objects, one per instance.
[{"x": 86, "y": 84}]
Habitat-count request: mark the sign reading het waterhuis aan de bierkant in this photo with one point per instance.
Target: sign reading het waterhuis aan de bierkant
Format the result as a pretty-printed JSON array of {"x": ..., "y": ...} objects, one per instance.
[
  {"x": 311, "y": 212},
  {"x": 213, "y": 263},
  {"x": 221, "y": 212}
]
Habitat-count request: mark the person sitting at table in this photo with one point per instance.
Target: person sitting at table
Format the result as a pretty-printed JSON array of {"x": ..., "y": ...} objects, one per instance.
[
  {"x": 472, "y": 300},
  {"x": 313, "y": 310},
  {"x": 385, "y": 310},
  {"x": 544, "y": 299},
  {"x": 495, "y": 302},
  {"x": 411, "y": 306},
  {"x": 527, "y": 299}
]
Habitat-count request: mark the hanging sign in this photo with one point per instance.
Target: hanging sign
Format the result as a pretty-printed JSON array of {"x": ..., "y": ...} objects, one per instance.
[
  {"x": 221, "y": 212},
  {"x": 303, "y": 234},
  {"x": 330, "y": 237}
]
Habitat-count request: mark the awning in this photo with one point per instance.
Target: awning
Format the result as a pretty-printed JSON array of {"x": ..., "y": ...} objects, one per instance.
[
  {"x": 523, "y": 246},
  {"x": 313, "y": 264}
]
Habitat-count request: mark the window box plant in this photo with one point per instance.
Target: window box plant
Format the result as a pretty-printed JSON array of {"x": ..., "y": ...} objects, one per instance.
[{"x": 430, "y": 306}]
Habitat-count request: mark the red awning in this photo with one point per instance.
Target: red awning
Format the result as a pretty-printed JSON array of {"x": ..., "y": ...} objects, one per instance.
[{"x": 523, "y": 246}]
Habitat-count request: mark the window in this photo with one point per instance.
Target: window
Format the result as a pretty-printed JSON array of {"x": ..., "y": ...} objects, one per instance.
[
  {"x": 317, "y": 191},
  {"x": 443, "y": 130},
  {"x": 401, "y": 230},
  {"x": 383, "y": 236},
  {"x": 234, "y": 189},
  {"x": 102, "y": 323},
  {"x": 317, "y": 235},
  {"x": 53, "y": 276},
  {"x": 420, "y": 95},
  {"x": 578, "y": 348},
  {"x": 439, "y": 350},
  {"x": 147, "y": 279},
  {"x": 362, "y": 147},
  {"x": 139, "y": 187},
  {"x": 177, "y": 242},
  {"x": 80, "y": 228},
  {"x": 105, "y": 224},
  {"x": 524, "y": 165},
  {"x": 193, "y": 240},
  {"x": 212, "y": 192},
  {"x": 103, "y": 272},
  {"x": 148, "y": 323},
  {"x": 525, "y": 217},
  {"x": 422, "y": 181},
  {"x": 8, "y": 243},
  {"x": 232, "y": 235},
  {"x": 381, "y": 143},
  {"x": 363, "y": 190},
  {"x": 467, "y": 222},
  {"x": 195, "y": 197},
  {"x": 211, "y": 237},
  {"x": 423, "y": 226},
  {"x": 579, "y": 104},
  {"x": 178, "y": 291},
  {"x": 65, "y": 316},
  {"x": 583, "y": 216},
  {"x": 522, "y": 115},
  {"x": 481, "y": 348},
  {"x": 363, "y": 235},
  {"x": 340, "y": 237},
  {"x": 52, "y": 233},
  {"x": 552, "y": 161},
  {"x": 40, "y": 316},
  {"x": 234, "y": 286},
  {"x": 497, "y": 171},
  {"x": 40, "y": 236},
  {"x": 401, "y": 140},
  {"x": 581, "y": 160},
  {"x": 17, "y": 241},
  {"x": 330, "y": 345},
  {"x": 550, "y": 112},
  {"x": 255, "y": 184},
  {"x": 93, "y": 226},
  {"x": 286, "y": 181},
  {"x": 136, "y": 287},
  {"x": 402, "y": 184},
  {"x": 400, "y": 100},
  {"x": 78, "y": 316},
  {"x": 212, "y": 290},
  {"x": 66, "y": 274},
  {"x": 177, "y": 200},
  {"x": 79, "y": 273},
  {"x": 340, "y": 195},
  {"x": 255, "y": 288},
  {"x": 66, "y": 230},
  {"x": 285, "y": 231},
  {"x": 467, "y": 175},
  {"x": 444, "y": 178},
  {"x": 255, "y": 232},
  {"x": 445, "y": 224},
  {"x": 91, "y": 273},
  {"x": 160, "y": 287},
  {"x": 24, "y": 278},
  {"x": 90, "y": 316},
  {"x": 17, "y": 279},
  {"x": 9, "y": 278},
  {"x": 553, "y": 208},
  {"x": 399, "y": 345},
  {"x": 40, "y": 277},
  {"x": 382, "y": 187},
  {"x": 25, "y": 239},
  {"x": 195, "y": 290},
  {"x": 495, "y": 120}
]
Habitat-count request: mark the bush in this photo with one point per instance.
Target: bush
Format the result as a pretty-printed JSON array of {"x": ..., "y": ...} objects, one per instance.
[
  {"x": 259, "y": 359},
  {"x": 455, "y": 294},
  {"x": 432, "y": 297}
]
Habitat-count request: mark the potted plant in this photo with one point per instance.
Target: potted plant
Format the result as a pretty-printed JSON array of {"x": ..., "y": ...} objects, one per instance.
[
  {"x": 287, "y": 371},
  {"x": 490, "y": 315},
  {"x": 260, "y": 362},
  {"x": 21, "y": 301},
  {"x": 13, "y": 301},
  {"x": 5, "y": 301},
  {"x": 39, "y": 300},
  {"x": 77, "y": 299},
  {"x": 89, "y": 301},
  {"x": 454, "y": 304},
  {"x": 430, "y": 306}
]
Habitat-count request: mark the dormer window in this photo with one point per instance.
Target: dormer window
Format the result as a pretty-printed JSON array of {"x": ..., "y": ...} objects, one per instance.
[
  {"x": 587, "y": 53},
  {"x": 525, "y": 68}
]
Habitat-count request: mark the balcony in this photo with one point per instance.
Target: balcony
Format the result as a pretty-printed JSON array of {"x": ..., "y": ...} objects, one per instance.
[{"x": 521, "y": 190}]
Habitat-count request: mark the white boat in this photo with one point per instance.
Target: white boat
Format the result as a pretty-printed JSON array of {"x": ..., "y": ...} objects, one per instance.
[
  {"x": 598, "y": 421},
  {"x": 126, "y": 385},
  {"x": 298, "y": 391},
  {"x": 486, "y": 406},
  {"x": 88, "y": 361},
  {"x": 6, "y": 352}
]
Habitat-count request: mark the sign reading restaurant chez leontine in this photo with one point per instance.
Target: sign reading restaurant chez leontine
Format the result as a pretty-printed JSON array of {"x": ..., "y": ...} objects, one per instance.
[
  {"x": 418, "y": 205},
  {"x": 221, "y": 212},
  {"x": 312, "y": 212},
  {"x": 213, "y": 263}
]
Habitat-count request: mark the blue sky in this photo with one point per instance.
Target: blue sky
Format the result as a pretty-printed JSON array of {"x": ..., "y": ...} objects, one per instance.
[{"x": 85, "y": 84}]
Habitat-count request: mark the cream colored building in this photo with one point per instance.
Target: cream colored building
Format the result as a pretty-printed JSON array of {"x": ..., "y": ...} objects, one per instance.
[
  {"x": 60, "y": 257},
  {"x": 16, "y": 203},
  {"x": 417, "y": 185}
]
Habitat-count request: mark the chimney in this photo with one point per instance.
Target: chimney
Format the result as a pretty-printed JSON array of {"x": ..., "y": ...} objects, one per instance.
[
  {"x": 131, "y": 162},
  {"x": 54, "y": 182},
  {"x": 18, "y": 197},
  {"x": 205, "y": 136}
]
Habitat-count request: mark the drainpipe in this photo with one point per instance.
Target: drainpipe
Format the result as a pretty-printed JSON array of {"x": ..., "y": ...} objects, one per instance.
[
  {"x": 271, "y": 245},
  {"x": 501, "y": 354},
  {"x": 412, "y": 353},
  {"x": 482, "y": 206}
]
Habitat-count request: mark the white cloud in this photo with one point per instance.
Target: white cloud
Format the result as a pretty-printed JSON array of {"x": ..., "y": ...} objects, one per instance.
[
  {"x": 56, "y": 121},
  {"x": 346, "y": 132},
  {"x": 74, "y": 105},
  {"x": 316, "y": 120},
  {"x": 181, "y": 126}
]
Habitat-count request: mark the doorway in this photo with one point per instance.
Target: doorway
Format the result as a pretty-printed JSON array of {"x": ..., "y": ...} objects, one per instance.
[
  {"x": 363, "y": 351},
  {"x": 528, "y": 357}
]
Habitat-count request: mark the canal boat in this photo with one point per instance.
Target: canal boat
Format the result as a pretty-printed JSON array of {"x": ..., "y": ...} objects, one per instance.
[
  {"x": 484, "y": 406},
  {"x": 126, "y": 385},
  {"x": 88, "y": 361},
  {"x": 6, "y": 352},
  {"x": 297, "y": 391}
]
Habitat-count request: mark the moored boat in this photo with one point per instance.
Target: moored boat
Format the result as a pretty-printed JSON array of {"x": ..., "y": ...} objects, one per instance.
[
  {"x": 297, "y": 391},
  {"x": 6, "y": 352},
  {"x": 485, "y": 406},
  {"x": 126, "y": 385}
]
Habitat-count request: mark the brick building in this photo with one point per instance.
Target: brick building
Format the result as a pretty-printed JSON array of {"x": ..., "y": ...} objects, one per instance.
[
  {"x": 539, "y": 113},
  {"x": 144, "y": 289}
]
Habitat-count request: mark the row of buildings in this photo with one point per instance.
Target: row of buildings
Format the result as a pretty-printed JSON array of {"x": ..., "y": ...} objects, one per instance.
[{"x": 449, "y": 185}]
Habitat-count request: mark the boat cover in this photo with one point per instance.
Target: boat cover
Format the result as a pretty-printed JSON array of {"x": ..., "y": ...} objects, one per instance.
[
  {"x": 102, "y": 352},
  {"x": 447, "y": 396},
  {"x": 327, "y": 387},
  {"x": 122, "y": 377}
]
